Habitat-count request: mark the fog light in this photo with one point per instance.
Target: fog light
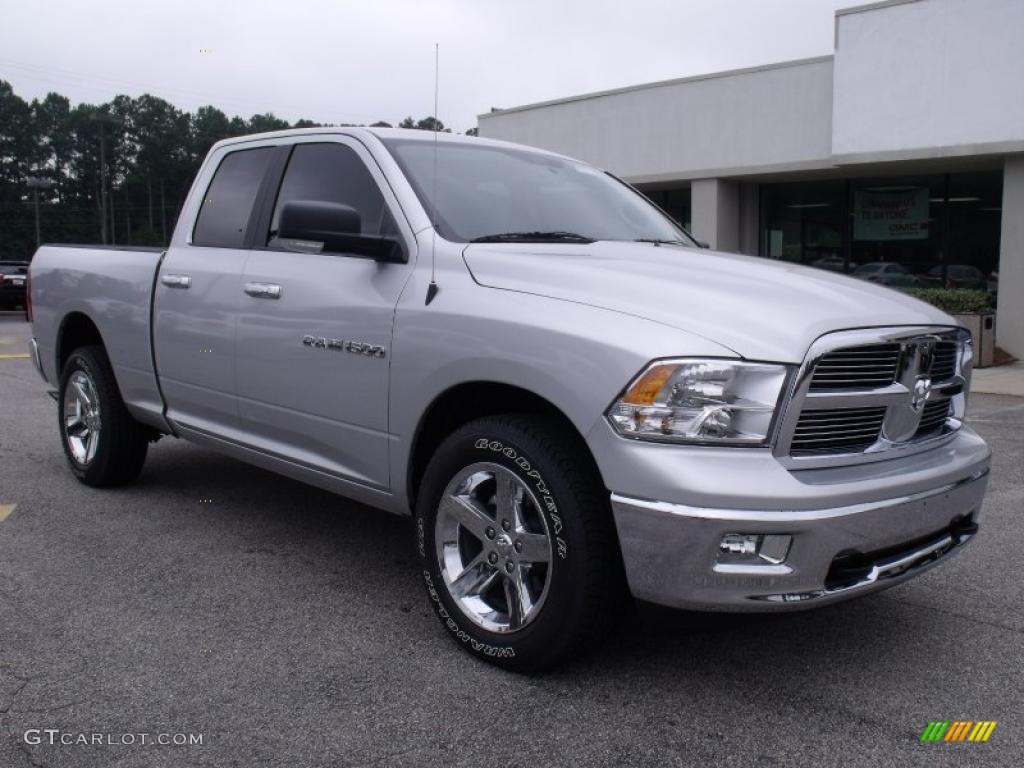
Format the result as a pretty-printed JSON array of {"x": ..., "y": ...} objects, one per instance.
[
  {"x": 738, "y": 544},
  {"x": 771, "y": 547}
]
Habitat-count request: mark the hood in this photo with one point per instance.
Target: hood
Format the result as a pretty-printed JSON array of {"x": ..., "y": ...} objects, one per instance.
[{"x": 761, "y": 309}]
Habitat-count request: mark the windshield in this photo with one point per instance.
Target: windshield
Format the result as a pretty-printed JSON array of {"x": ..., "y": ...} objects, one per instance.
[{"x": 486, "y": 192}]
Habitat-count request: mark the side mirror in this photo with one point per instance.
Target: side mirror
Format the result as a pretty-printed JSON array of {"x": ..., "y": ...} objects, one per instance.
[{"x": 338, "y": 227}]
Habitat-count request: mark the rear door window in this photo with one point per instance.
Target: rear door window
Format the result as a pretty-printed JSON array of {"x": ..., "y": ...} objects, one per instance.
[{"x": 227, "y": 204}]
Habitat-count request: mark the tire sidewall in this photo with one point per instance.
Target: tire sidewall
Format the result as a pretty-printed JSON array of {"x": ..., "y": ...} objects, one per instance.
[{"x": 498, "y": 442}]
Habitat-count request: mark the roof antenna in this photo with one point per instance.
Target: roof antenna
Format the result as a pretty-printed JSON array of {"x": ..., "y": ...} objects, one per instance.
[{"x": 432, "y": 288}]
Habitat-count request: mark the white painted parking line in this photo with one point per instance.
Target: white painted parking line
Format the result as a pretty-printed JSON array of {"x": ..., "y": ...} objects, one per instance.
[{"x": 5, "y": 511}]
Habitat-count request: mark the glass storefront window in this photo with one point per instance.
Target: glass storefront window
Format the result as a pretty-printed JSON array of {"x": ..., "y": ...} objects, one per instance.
[
  {"x": 803, "y": 223},
  {"x": 901, "y": 231},
  {"x": 897, "y": 229},
  {"x": 975, "y": 218},
  {"x": 674, "y": 202}
]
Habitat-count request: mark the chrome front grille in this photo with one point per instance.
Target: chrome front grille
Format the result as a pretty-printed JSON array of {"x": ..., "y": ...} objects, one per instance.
[
  {"x": 837, "y": 429},
  {"x": 933, "y": 418},
  {"x": 866, "y": 367},
  {"x": 870, "y": 394},
  {"x": 944, "y": 361}
]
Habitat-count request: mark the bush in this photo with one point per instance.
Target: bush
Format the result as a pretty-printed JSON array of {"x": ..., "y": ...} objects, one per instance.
[{"x": 954, "y": 300}]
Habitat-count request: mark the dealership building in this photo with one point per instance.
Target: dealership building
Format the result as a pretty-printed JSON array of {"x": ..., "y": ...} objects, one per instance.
[{"x": 899, "y": 156}]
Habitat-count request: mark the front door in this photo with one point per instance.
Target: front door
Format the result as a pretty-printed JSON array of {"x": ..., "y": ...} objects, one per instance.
[{"x": 314, "y": 328}]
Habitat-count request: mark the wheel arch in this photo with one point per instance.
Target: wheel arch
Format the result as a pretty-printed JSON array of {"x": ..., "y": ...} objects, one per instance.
[
  {"x": 466, "y": 401},
  {"x": 76, "y": 330}
]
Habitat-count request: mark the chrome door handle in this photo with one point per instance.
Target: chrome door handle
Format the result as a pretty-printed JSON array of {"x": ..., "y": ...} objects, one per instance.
[
  {"x": 176, "y": 281},
  {"x": 263, "y": 290}
]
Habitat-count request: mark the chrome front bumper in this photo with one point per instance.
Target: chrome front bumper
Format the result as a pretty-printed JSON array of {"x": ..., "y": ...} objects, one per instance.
[{"x": 673, "y": 555}]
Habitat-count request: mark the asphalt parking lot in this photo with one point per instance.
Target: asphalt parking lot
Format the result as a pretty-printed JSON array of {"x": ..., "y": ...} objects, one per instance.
[{"x": 287, "y": 627}]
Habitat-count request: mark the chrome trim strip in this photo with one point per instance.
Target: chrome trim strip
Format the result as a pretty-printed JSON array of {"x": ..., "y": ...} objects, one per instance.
[
  {"x": 738, "y": 569},
  {"x": 766, "y": 516}
]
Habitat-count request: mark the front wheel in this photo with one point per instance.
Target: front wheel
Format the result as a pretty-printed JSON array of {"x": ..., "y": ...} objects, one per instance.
[
  {"x": 104, "y": 445},
  {"x": 516, "y": 543}
]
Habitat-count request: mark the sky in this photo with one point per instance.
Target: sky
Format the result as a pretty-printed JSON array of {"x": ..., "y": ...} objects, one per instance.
[{"x": 340, "y": 61}]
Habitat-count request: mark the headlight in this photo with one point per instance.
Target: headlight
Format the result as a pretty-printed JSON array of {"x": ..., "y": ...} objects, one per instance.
[{"x": 724, "y": 402}]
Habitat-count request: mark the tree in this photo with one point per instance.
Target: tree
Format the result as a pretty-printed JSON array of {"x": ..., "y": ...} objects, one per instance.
[
  {"x": 208, "y": 126},
  {"x": 426, "y": 124},
  {"x": 120, "y": 170},
  {"x": 432, "y": 124},
  {"x": 266, "y": 122},
  {"x": 17, "y": 148}
]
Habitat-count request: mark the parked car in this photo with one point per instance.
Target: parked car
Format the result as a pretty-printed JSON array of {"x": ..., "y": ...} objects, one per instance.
[
  {"x": 960, "y": 276},
  {"x": 565, "y": 392},
  {"x": 889, "y": 274},
  {"x": 831, "y": 263},
  {"x": 12, "y": 284}
]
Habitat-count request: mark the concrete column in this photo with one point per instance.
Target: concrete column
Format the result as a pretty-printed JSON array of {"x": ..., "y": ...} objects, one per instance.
[
  {"x": 1010, "y": 315},
  {"x": 750, "y": 219},
  {"x": 715, "y": 212}
]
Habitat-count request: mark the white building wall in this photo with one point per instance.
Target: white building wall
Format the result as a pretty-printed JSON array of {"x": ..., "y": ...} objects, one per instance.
[
  {"x": 772, "y": 118},
  {"x": 929, "y": 78}
]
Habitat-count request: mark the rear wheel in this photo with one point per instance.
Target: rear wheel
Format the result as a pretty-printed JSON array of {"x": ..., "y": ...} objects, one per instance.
[
  {"x": 516, "y": 543},
  {"x": 104, "y": 445}
]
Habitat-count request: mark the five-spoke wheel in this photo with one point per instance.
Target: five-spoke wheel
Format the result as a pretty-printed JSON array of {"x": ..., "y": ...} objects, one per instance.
[
  {"x": 493, "y": 547},
  {"x": 82, "y": 417}
]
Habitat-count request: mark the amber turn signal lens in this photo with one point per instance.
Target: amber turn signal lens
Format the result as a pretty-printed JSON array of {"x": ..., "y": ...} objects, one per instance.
[{"x": 645, "y": 389}]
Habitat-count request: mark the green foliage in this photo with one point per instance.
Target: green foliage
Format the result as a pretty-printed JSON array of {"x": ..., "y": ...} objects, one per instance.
[
  {"x": 429, "y": 123},
  {"x": 267, "y": 122},
  {"x": 953, "y": 300},
  {"x": 151, "y": 152}
]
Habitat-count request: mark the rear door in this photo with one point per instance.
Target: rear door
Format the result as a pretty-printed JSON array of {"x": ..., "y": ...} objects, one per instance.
[
  {"x": 197, "y": 296},
  {"x": 314, "y": 329}
]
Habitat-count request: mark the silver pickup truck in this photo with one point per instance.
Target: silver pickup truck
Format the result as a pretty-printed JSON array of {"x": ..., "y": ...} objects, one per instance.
[{"x": 572, "y": 399}]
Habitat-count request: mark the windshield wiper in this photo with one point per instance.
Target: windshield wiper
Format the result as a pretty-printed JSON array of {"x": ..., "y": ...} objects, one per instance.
[
  {"x": 538, "y": 237},
  {"x": 658, "y": 241}
]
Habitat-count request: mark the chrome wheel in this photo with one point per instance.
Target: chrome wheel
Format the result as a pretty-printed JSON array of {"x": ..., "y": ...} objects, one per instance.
[
  {"x": 81, "y": 417},
  {"x": 493, "y": 547}
]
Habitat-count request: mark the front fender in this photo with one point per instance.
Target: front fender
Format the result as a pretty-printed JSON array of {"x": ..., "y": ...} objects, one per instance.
[{"x": 575, "y": 356}]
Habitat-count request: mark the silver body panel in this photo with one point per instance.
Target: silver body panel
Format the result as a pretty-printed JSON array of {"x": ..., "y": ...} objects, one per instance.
[{"x": 571, "y": 323}]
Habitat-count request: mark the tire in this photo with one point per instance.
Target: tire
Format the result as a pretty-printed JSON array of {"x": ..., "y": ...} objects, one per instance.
[
  {"x": 103, "y": 444},
  {"x": 531, "y": 595}
]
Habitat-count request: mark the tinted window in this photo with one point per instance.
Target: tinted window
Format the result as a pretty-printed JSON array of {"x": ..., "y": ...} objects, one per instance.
[
  {"x": 228, "y": 201},
  {"x": 333, "y": 173}
]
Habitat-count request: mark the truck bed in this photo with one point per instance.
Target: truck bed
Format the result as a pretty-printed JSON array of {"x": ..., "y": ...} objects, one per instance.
[{"x": 113, "y": 286}]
